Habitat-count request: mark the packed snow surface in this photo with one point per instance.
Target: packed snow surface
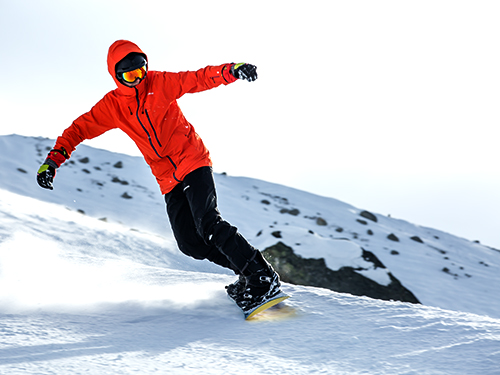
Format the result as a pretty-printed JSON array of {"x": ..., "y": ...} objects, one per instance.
[{"x": 91, "y": 282}]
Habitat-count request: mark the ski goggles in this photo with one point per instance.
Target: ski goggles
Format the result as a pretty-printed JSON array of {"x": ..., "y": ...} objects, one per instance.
[{"x": 134, "y": 74}]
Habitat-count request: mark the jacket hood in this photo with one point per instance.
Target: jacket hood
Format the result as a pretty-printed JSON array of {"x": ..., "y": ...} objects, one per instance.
[{"x": 116, "y": 52}]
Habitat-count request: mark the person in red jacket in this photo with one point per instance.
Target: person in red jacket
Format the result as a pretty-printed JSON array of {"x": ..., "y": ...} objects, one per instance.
[{"x": 144, "y": 106}]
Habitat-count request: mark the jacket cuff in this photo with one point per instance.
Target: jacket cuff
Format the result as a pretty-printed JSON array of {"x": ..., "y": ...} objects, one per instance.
[
  {"x": 57, "y": 157},
  {"x": 226, "y": 73}
]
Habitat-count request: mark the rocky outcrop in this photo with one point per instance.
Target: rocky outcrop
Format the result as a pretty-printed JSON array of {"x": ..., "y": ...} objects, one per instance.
[{"x": 314, "y": 272}]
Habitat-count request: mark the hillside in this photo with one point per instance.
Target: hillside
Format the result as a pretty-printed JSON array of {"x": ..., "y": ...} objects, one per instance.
[
  {"x": 91, "y": 282},
  {"x": 433, "y": 265},
  {"x": 82, "y": 296}
]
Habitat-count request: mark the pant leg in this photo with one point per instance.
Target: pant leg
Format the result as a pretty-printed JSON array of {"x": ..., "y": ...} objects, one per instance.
[
  {"x": 199, "y": 188},
  {"x": 185, "y": 232}
]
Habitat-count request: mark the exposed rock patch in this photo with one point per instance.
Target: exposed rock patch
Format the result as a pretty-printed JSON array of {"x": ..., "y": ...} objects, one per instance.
[{"x": 314, "y": 272}]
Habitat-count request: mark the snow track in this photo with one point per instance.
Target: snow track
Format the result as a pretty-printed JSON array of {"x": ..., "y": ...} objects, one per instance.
[{"x": 79, "y": 295}]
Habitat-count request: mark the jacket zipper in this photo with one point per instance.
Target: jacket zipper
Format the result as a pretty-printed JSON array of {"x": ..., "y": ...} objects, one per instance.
[
  {"x": 152, "y": 127},
  {"x": 154, "y": 131}
]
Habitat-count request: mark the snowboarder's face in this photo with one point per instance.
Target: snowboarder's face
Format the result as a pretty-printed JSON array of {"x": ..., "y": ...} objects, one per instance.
[
  {"x": 132, "y": 84},
  {"x": 134, "y": 77}
]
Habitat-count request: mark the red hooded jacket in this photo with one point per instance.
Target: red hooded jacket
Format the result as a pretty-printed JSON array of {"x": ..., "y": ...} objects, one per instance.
[{"x": 150, "y": 115}]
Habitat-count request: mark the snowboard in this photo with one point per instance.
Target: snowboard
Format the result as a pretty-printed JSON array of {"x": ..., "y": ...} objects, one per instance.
[
  {"x": 280, "y": 311},
  {"x": 251, "y": 313}
]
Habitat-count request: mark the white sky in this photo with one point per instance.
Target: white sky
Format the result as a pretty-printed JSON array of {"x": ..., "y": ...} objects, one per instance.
[{"x": 391, "y": 106}]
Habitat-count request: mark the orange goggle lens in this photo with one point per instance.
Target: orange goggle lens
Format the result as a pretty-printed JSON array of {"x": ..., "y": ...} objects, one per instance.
[{"x": 134, "y": 74}]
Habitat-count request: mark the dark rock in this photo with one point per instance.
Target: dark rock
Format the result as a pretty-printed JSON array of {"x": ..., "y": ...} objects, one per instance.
[
  {"x": 369, "y": 216},
  {"x": 372, "y": 258},
  {"x": 321, "y": 222},
  {"x": 84, "y": 160},
  {"x": 314, "y": 272},
  {"x": 276, "y": 234},
  {"x": 416, "y": 239},
  {"x": 362, "y": 221},
  {"x": 116, "y": 180},
  {"x": 393, "y": 237},
  {"x": 118, "y": 165},
  {"x": 293, "y": 211}
]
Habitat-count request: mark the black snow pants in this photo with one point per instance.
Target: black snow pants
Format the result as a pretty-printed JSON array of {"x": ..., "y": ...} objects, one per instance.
[{"x": 199, "y": 229}]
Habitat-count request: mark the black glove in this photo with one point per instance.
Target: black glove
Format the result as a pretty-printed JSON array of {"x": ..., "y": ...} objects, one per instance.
[
  {"x": 47, "y": 171},
  {"x": 244, "y": 71},
  {"x": 45, "y": 176}
]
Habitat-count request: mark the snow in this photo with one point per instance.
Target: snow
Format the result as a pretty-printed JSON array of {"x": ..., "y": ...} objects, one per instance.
[{"x": 93, "y": 283}]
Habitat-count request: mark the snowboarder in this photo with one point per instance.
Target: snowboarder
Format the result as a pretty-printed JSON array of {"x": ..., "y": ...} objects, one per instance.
[{"x": 145, "y": 107}]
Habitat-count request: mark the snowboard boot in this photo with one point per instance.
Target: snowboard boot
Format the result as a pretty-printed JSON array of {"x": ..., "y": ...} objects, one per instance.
[
  {"x": 260, "y": 287},
  {"x": 238, "y": 287}
]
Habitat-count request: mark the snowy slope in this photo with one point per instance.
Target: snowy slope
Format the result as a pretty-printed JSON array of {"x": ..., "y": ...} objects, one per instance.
[
  {"x": 83, "y": 296},
  {"x": 105, "y": 292},
  {"x": 441, "y": 270}
]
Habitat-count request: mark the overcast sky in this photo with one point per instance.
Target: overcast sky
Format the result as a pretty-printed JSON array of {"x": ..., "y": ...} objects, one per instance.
[{"x": 391, "y": 106}]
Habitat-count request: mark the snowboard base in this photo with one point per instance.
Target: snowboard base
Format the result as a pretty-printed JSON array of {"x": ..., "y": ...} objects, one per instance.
[
  {"x": 275, "y": 313},
  {"x": 280, "y": 297}
]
